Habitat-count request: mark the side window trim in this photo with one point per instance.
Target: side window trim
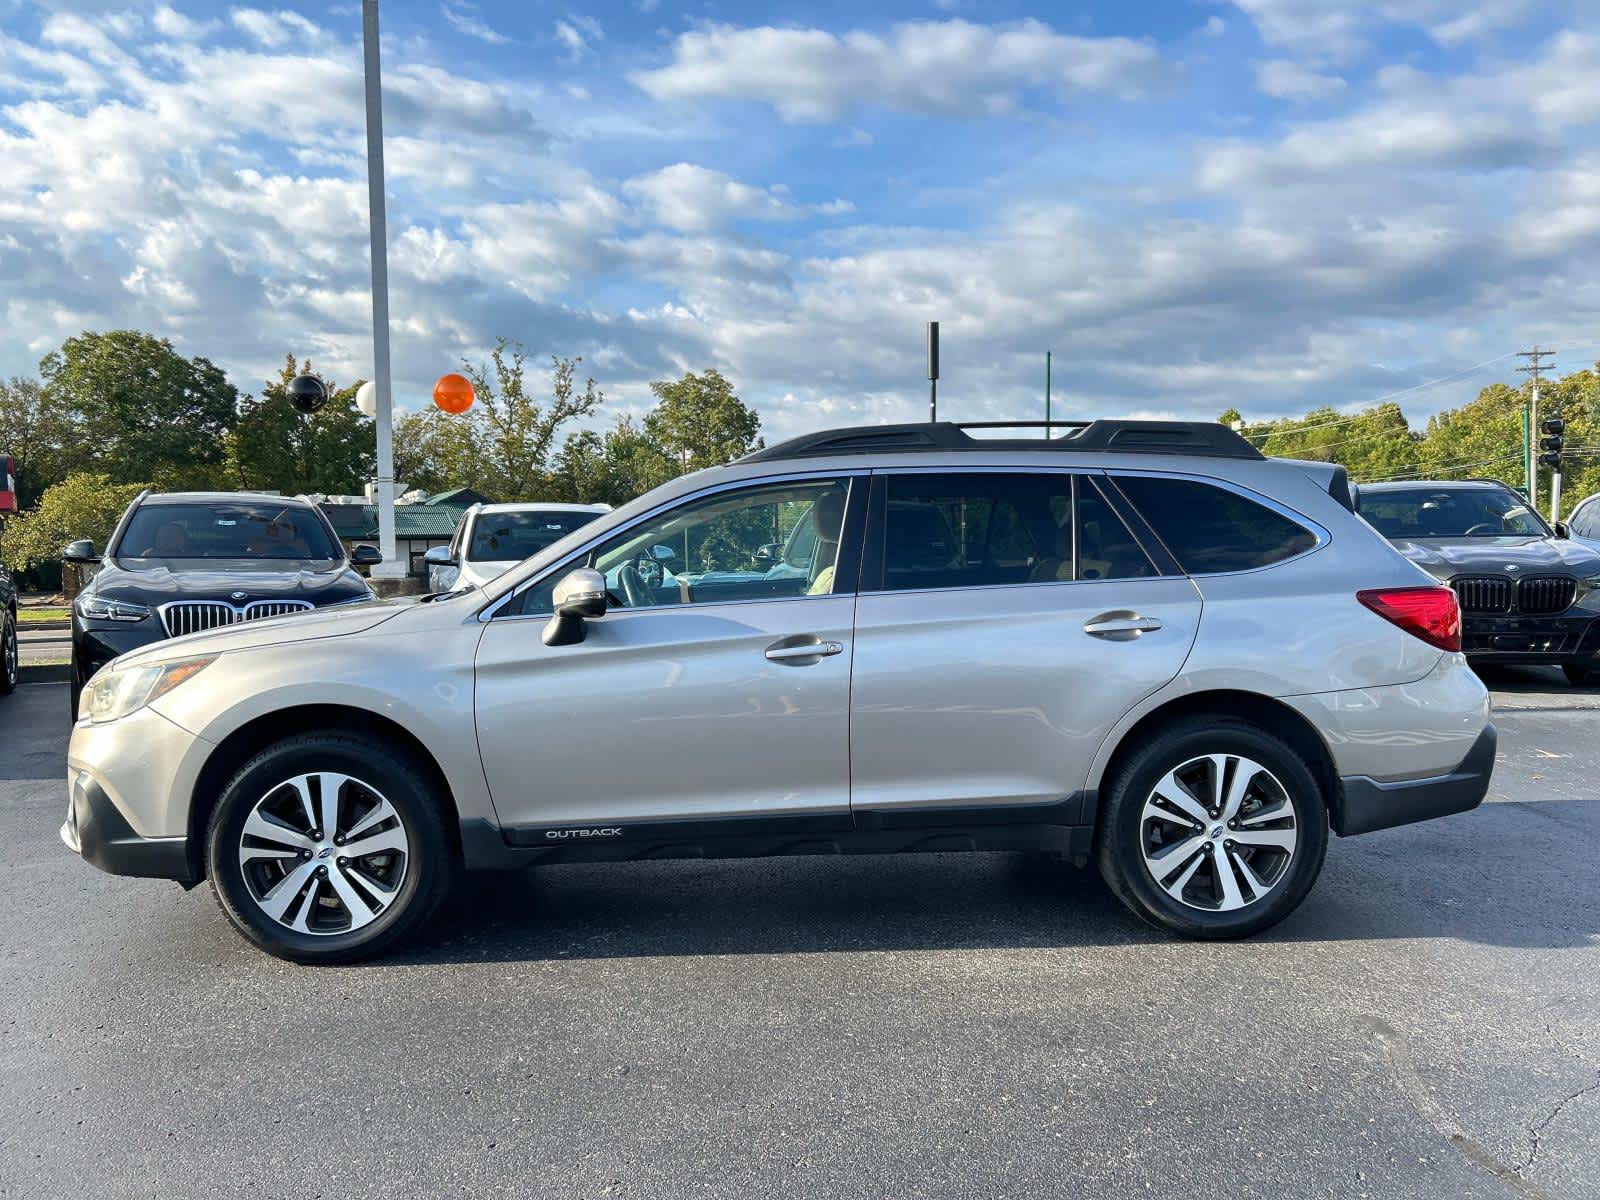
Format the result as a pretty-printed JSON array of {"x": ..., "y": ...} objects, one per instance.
[
  {"x": 846, "y": 573},
  {"x": 1320, "y": 535},
  {"x": 873, "y": 568},
  {"x": 1138, "y": 528}
]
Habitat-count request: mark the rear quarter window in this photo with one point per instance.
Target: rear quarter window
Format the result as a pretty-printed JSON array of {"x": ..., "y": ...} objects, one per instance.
[{"x": 1210, "y": 529}]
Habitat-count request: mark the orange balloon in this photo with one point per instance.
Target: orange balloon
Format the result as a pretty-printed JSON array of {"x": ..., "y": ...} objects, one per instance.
[{"x": 453, "y": 393}]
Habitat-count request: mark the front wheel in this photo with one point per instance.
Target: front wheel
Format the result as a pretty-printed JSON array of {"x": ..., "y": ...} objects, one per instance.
[
  {"x": 328, "y": 848},
  {"x": 1214, "y": 828}
]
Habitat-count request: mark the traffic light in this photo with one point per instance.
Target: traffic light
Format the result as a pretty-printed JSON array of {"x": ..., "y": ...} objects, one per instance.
[{"x": 1550, "y": 444}]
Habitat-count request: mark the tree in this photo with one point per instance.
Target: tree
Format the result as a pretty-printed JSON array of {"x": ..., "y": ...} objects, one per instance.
[
  {"x": 140, "y": 410},
  {"x": 80, "y": 506},
  {"x": 277, "y": 448},
  {"x": 611, "y": 468},
  {"x": 698, "y": 421},
  {"x": 36, "y": 433},
  {"x": 1482, "y": 438},
  {"x": 502, "y": 445}
]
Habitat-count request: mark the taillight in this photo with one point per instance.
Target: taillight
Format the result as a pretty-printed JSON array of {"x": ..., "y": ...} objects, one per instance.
[{"x": 1431, "y": 613}]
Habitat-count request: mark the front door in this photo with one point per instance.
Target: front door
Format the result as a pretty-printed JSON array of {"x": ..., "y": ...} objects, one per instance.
[
  {"x": 1007, "y": 620},
  {"x": 715, "y": 689}
]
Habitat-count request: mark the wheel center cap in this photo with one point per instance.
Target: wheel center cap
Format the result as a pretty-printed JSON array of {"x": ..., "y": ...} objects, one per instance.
[
  {"x": 1216, "y": 832},
  {"x": 327, "y": 851}
]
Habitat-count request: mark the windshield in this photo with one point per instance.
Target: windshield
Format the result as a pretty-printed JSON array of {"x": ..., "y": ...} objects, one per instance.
[
  {"x": 1459, "y": 512},
  {"x": 512, "y": 536},
  {"x": 227, "y": 529}
]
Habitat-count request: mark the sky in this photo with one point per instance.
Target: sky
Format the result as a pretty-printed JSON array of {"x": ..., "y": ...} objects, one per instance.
[{"x": 1266, "y": 204}]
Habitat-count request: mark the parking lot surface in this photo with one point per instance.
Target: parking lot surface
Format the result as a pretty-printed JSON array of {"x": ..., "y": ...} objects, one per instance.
[{"x": 1427, "y": 1025}]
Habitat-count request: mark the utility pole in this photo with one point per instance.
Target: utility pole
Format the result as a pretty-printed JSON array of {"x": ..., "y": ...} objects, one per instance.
[
  {"x": 390, "y": 567},
  {"x": 933, "y": 370},
  {"x": 1535, "y": 358}
]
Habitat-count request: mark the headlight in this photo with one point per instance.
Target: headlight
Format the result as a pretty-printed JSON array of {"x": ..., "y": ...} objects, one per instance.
[
  {"x": 98, "y": 608},
  {"x": 115, "y": 693}
]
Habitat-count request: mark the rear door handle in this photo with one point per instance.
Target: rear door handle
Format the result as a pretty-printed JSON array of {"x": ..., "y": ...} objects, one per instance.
[
  {"x": 786, "y": 651},
  {"x": 1120, "y": 627}
]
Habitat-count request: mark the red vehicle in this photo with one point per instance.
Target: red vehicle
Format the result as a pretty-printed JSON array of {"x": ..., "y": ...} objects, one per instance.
[{"x": 8, "y": 484}]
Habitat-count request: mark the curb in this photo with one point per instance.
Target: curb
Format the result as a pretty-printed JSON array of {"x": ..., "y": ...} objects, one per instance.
[
  {"x": 24, "y": 626},
  {"x": 44, "y": 673}
]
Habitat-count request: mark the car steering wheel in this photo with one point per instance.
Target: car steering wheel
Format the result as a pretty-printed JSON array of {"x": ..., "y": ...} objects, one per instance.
[
  {"x": 1484, "y": 528},
  {"x": 633, "y": 587}
]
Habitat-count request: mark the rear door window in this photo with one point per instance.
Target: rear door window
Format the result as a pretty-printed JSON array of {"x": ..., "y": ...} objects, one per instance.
[{"x": 1210, "y": 529}]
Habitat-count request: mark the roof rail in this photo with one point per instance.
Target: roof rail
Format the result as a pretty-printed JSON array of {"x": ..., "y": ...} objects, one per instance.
[{"x": 1117, "y": 436}]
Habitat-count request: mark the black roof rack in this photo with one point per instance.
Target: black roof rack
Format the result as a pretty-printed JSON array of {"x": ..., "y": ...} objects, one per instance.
[{"x": 1125, "y": 437}]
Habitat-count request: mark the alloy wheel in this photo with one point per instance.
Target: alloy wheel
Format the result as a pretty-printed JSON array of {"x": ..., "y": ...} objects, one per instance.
[
  {"x": 1218, "y": 832},
  {"x": 8, "y": 654},
  {"x": 323, "y": 853}
]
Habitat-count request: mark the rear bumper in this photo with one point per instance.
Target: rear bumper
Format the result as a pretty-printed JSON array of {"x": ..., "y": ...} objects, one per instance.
[{"x": 1365, "y": 804}]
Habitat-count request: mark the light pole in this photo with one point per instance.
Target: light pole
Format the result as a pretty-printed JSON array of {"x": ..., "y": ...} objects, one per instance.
[{"x": 390, "y": 567}]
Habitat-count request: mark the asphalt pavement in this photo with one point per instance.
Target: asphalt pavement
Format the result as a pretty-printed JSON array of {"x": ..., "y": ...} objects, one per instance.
[{"x": 1427, "y": 1025}]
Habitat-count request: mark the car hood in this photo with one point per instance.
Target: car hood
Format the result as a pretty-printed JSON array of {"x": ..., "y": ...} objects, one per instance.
[
  {"x": 476, "y": 572},
  {"x": 151, "y": 582},
  {"x": 275, "y": 631},
  {"x": 1446, "y": 557}
]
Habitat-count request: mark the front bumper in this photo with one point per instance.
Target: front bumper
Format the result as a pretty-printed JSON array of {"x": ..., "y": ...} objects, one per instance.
[
  {"x": 1572, "y": 636},
  {"x": 1365, "y": 804},
  {"x": 94, "y": 645},
  {"x": 128, "y": 788},
  {"x": 95, "y": 829}
]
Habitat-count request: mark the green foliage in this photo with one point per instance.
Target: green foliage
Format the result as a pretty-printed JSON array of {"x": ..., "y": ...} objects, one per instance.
[
  {"x": 611, "y": 468},
  {"x": 699, "y": 422},
  {"x": 503, "y": 445},
  {"x": 81, "y": 506},
  {"x": 138, "y": 409},
  {"x": 1371, "y": 444},
  {"x": 276, "y": 448},
  {"x": 37, "y": 434}
]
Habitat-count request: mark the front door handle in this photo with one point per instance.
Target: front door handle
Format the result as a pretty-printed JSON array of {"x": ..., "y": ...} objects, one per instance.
[
  {"x": 1120, "y": 626},
  {"x": 798, "y": 652}
]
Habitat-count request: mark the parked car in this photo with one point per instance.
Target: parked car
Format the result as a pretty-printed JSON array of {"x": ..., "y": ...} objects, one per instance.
[
  {"x": 1583, "y": 523},
  {"x": 1141, "y": 644},
  {"x": 10, "y": 655},
  {"x": 1529, "y": 593},
  {"x": 185, "y": 562},
  {"x": 493, "y": 538}
]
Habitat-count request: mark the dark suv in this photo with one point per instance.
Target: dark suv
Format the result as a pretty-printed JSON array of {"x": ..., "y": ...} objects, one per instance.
[
  {"x": 190, "y": 561},
  {"x": 9, "y": 655},
  {"x": 1528, "y": 593}
]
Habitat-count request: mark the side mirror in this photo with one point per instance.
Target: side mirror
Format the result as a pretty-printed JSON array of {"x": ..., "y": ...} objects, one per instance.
[
  {"x": 1561, "y": 529},
  {"x": 439, "y": 556},
  {"x": 366, "y": 556},
  {"x": 663, "y": 553},
  {"x": 80, "y": 551},
  {"x": 768, "y": 553},
  {"x": 580, "y": 596}
]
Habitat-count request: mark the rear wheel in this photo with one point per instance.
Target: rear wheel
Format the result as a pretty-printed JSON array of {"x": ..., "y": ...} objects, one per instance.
[
  {"x": 329, "y": 848},
  {"x": 1214, "y": 828},
  {"x": 1577, "y": 673},
  {"x": 10, "y": 657}
]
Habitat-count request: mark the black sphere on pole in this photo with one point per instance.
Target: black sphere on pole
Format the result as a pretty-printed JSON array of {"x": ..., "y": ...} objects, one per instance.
[{"x": 307, "y": 393}]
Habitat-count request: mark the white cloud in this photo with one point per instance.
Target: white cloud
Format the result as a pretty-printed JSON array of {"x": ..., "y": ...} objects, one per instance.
[
  {"x": 949, "y": 68},
  {"x": 171, "y": 23},
  {"x": 577, "y": 33},
  {"x": 1335, "y": 31},
  {"x": 275, "y": 29},
  {"x": 464, "y": 18},
  {"x": 1215, "y": 26},
  {"x": 1290, "y": 81},
  {"x": 695, "y": 199}
]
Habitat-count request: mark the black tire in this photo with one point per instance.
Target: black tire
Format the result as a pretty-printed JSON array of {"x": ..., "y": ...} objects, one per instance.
[
  {"x": 74, "y": 685},
  {"x": 1119, "y": 836},
  {"x": 10, "y": 658},
  {"x": 429, "y": 868},
  {"x": 1578, "y": 674}
]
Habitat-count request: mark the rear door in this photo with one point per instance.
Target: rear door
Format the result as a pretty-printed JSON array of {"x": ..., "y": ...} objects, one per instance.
[{"x": 1007, "y": 619}]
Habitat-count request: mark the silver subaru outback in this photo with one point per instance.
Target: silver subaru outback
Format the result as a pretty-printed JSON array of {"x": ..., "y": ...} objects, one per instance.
[{"x": 1140, "y": 643}]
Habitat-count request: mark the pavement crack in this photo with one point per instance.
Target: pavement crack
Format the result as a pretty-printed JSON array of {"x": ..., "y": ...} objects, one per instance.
[
  {"x": 1536, "y": 1131},
  {"x": 1398, "y": 1056}
]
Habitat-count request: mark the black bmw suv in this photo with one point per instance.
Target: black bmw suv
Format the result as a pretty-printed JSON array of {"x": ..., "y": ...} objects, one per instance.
[
  {"x": 1528, "y": 594},
  {"x": 183, "y": 562}
]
